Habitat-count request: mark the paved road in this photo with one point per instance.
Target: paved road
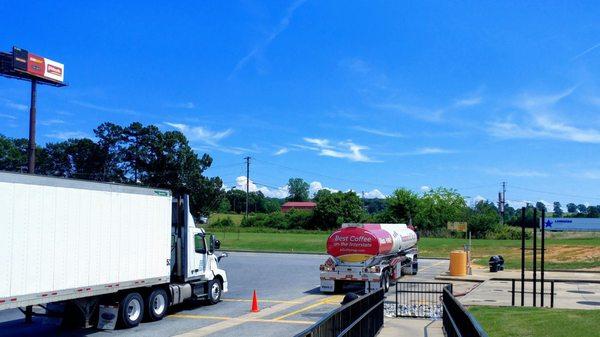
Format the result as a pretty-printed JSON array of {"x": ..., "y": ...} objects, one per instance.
[{"x": 287, "y": 286}]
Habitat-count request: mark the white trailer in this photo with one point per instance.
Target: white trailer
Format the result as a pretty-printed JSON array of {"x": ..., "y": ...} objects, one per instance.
[
  {"x": 96, "y": 246},
  {"x": 369, "y": 255}
]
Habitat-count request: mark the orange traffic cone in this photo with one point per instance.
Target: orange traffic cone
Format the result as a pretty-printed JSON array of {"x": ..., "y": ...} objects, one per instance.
[{"x": 255, "y": 303}]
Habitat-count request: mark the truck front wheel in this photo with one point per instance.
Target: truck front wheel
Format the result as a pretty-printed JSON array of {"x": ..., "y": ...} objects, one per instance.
[
  {"x": 157, "y": 303},
  {"x": 215, "y": 289},
  {"x": 131, "y": 310}
]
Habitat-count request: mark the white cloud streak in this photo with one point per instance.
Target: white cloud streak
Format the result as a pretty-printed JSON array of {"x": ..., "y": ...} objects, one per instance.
[
  {"x": 281, "y": 151},
  {"x": 258, "y": 49},
  {"x": 377, "y": 132},
  {"x": 64, "y": 135},
  {"x": 347, "y": 149},
  {"x": 104, "y": 108},
  {"x": 585, "y": 52},
  {"x": 202, "y": 134}
]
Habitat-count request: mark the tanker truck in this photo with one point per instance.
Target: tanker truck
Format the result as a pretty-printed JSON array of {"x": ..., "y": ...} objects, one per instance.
[{"x": 370, "y": 255}]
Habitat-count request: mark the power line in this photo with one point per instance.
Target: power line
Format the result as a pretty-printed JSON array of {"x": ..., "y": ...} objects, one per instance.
[{"x": 554, "y": 193}]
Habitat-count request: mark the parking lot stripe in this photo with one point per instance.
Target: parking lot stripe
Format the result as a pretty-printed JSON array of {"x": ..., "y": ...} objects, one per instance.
[
  {"x": 225, "y": 318},
  {"x": 261, "y": 300},
  {"x": 329, "y": 300},
  {"x": 228, "y": 323}
]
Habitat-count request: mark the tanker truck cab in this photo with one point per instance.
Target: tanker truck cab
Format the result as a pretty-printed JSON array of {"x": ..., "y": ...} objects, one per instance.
[{"x": 370, "y": 256}]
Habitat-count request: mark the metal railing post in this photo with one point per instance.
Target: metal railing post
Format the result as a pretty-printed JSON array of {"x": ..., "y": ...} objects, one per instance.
[
  {"x": 552, "y": 294},
  {"x": 512, "y": 301},
  {"x": 396, "y": 298}
]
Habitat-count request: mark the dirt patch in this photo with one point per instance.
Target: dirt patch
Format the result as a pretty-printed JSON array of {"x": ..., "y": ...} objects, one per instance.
[
  {"x": 565, "y": 253},
  {"x": 554, "y": 253}
]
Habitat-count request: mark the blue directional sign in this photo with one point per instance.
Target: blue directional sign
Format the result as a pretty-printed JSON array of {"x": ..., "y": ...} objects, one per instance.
[{"x": 573, "y": 224}]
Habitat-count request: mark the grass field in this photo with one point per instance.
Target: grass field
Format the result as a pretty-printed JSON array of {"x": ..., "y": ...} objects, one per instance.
[
  {"x": 575, "y": 253},
  {"x": 537, "y": 322}
]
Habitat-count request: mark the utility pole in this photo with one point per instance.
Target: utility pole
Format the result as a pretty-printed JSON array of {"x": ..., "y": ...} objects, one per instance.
[
  {"x": 31, "y": 146},
  {"x": 502, "y": 201},
  {"x": 247, "y": 182}
]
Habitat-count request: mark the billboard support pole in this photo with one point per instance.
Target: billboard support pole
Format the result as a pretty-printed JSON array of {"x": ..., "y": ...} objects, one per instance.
[{"x": 32, "y": 119}]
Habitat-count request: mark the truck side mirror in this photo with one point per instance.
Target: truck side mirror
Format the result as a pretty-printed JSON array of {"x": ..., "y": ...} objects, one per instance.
[{"x": 214, "y": 244}]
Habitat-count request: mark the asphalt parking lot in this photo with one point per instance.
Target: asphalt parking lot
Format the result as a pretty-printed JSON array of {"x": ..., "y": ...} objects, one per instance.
[{"x": 288, "y": 290}]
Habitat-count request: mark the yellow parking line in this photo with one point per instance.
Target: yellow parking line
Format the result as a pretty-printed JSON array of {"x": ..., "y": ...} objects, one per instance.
[
  {"x": 226, "y": 318},
  {"x": 260, "y": 300},
  {"x": 329, "y": 300},
  {"x": 200, "y": 316}
]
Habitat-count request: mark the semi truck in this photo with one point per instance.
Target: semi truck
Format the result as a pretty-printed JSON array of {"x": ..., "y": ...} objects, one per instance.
[
  {"x": 371, "y": 256},
  {"x": 105, "y": 253}
]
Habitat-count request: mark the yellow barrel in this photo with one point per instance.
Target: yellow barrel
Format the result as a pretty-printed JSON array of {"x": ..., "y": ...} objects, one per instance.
[{"x": 458, "y": 263}]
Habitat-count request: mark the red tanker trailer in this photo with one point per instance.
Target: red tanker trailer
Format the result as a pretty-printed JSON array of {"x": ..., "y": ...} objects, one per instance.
[{"x": 371, "y": 254}]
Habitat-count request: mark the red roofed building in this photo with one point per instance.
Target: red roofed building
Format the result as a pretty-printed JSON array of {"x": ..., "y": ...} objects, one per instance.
[{"x": 302, "y": 205}]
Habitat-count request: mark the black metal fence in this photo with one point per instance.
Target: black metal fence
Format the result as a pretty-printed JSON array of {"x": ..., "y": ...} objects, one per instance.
[
  {"x": 542, "y": 293},
  {"x": 457, "y": 321},
  {"x": 420, "y": 299},
  {"x": 362, "y": 317}
]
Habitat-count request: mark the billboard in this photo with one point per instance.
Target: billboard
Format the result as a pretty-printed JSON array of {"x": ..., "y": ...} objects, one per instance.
[
  {"x": 38, "y": 66},
  {"x": 457, "y": 226},
  {"x": 572, "y": 224}
]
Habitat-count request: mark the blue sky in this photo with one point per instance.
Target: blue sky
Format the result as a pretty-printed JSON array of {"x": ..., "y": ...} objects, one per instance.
[{"x": 355, "y": 95}]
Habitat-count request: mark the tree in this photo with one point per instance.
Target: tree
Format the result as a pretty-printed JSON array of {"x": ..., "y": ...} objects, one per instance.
[
  {"x": 540, "y": 206},
  {"x": 402, "y": 205},
  {"x": 298, "y": 189},
  {"x": 593, "y": 212},
  {"x": 571, "y": 208},
  {"x": 483, "y": 217},
  {"x": 558, "y": 212},
  {"x": 13, "y": 153},
  {"x": 438, "y": 206},
  {"x": 334, "y": 209},
  {"x": 224, "y": 206},
  {"x": 581, "y": 208},
  {"x": 135, "y": 154}
]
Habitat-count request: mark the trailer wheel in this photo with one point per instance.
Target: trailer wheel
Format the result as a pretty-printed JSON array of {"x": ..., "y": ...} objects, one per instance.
[
  {"x": 215, "y": 289},
  {"x": 131, "y": 310},
  {"x": 157, "y": 303}
]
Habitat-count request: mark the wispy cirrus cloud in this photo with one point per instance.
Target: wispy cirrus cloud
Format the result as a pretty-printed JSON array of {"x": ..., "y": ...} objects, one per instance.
[
  {"x": 281, "y": 151},
  {"x": 420, "y": 152},
  {"x": 378, "y": 132},
  {"x": 49, "y": 122},
  {"x": 523, "y": 173},
  {"x": 104, "y": 108},
  {"x": 7, "y": 116},
  {"x": 200, "y": 133},
  {"x": 14, "y": 105},
  {"x": 539, "y": 119},
  {"x": 182, "y": 105},
  {"x": 260, "y": 47},
  {"x": 345, "y": 149},
  {"x": 64, "y": 135},
  {"x": 585, "y": 52}
]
